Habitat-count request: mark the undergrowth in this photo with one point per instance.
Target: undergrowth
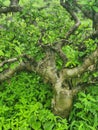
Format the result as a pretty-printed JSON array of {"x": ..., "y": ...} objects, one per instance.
[{"x": 25, "y": 104}]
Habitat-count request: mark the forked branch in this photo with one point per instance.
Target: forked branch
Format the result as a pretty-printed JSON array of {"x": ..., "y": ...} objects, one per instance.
[
  {"x": 45, "y": 67},
  {"x": 77, "y": 71},
  {"x": 67, "y": 6}
]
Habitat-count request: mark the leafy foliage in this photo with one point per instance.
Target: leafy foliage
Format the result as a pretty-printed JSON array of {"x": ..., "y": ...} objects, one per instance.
[
  {"x": 85, "y": 112},
  {"x": 25, "y": 101}
]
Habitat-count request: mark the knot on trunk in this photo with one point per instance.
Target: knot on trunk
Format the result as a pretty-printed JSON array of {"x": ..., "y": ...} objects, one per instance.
[{"x": 62, "y": 103}]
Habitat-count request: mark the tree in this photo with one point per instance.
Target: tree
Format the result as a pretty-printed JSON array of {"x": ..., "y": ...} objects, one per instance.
[{"x": 53, "y": 60}]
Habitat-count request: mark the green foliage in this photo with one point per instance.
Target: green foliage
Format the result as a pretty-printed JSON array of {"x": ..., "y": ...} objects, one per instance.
[
  {"x": 24, "y": 104},
  {"x": 4, "y": 3},
  {"x": 90, "y": 4},
  {"x": 22, "y": 32},
  {"x": 91, "y": 46},
  {"x": 25, "y": 101},
  {"x": 85, "y": 111},
  {"x": 72, "y": 56}
]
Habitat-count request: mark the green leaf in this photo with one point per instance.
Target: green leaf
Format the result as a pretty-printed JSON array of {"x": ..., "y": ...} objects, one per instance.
[
  {"x": 1, "y": 69},
  {"x": 1, "y": 53},
  {"x": 81, "y": 127},
  {"x": 84, "y": 2},
  {"x": 18, "y": 50},
  {"x": 95, "y": 8},
  {"x": 48, "y": 125},
  {"x": 78, "y": 105},
  {"x": 36, "y": 125}
]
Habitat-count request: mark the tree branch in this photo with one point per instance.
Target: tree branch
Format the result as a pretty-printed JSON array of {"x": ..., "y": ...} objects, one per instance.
[
  {"x": 8, "y": 61},
  {"x": 23, "y": 65},
  {"x": 55, "y": 48},
  {"x": 58, "y": 46},
  {"x": 87, "y": 13},
  {"x": 92, "y": 35},
  {"x": 13, "y": 7},
  {"x": 76, "y": 72},
  {"x": 10, "y": 9},
  {"x": 11, "y": 60},
  {"x": 45, "y": 67},
  {"x": 8, "y": 73},
  {"x": 14, "y": 2},
  {"x": 67, "y": 6}
]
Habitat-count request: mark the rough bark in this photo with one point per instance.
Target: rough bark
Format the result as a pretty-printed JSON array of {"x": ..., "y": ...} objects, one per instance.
[{"x": 14, "y": 2}]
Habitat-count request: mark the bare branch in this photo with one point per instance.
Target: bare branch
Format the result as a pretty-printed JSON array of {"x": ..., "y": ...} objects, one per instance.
[
  {"x": 12, "y": 60},
  {"x": 8, "y": 73},
  {"x": 60, "y": 53},
  {"x": 66, "y": 5},
  {"x": 55, "y": 47},
  {"x": 10, "y": 9},
  {"x": 58, "y": 47},
  {"x": 8, "y": 61},
  {"x": 23, "y": 65}
]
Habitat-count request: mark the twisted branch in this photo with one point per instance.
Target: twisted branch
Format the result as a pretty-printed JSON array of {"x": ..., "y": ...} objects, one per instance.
[
  {"x": 8, "y": 73},
  {"x": 77, "y": 71},
  {"x": 67, "y": 6}
]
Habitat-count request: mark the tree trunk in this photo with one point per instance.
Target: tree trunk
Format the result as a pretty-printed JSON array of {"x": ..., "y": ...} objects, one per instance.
[
  {"x": 62, "y": 100},
  {"x": 62, "y": 103}
]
